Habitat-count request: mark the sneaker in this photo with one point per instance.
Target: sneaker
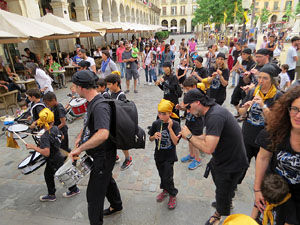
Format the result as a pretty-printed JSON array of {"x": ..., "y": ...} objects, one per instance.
[
  {"x": 127, "y": 91},
  {"x": 118, "y": 159},
  {"x": 194, "y": 164},
  {"x": 109, "y": 212},
  {"x": 135, "y": 91},
  {"x": 69, "y": 194},
  {"x": 187, "y": 158},
  {"x": 162, "y": 196},
  {"x": 126, "y": 164},
  {"x": 214, "y": 204},
  {"x": 172, "y": 202},
  {"x": 150, "y": 83},
  {"x": 47, "y": 198}
]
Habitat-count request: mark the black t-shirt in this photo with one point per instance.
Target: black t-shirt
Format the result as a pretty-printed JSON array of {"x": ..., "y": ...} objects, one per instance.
[
  {"x": 202, "y": 72},
  {"x": 169, "y": 87},
  {"x": 118, "y": 95},
  {"x": 59, "y": 112},
  {"x": 271, "y": 46},
  {"x": 195, "y": 124},
  {"x": 217, "y": 90},
  {"x": 36, "y": 108},
  {"x": 106, "y": 95},
  {"x": 230, "y": 154},
  {"x": 248, "y": 65},
  {"x": 52, "y": 139},
  {"x": 235, "y": 55},
  {"x": 32, "y": 56},
  {"x": 100, "y": 118},
  {"x": 167, "y": 151},
  {"x": 285, "y": 162},
  {"x": 282, "y": 214},
  {"x": 4, "y": 76},
  {"x": 255, "y": 120}
]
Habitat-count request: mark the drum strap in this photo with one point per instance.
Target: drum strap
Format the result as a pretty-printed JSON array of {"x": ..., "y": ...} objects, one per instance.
[
  {"x": 121, "y": 93},
  {"x": 35, "y": 105}
]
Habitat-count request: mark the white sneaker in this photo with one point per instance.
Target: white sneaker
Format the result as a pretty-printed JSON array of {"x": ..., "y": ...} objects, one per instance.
[{"x": 150, "y": 83}]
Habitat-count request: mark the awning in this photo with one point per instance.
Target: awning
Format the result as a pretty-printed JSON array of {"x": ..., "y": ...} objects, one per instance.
[{"x": 8, "y": 38}]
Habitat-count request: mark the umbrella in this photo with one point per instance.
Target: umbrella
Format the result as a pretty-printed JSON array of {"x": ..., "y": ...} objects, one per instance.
[
  {"x": 8, "y": 38},
  {"x": 164, "y": 28},
  {"x": 103, "y": 27},
  {"x": 230, "y": 25}
]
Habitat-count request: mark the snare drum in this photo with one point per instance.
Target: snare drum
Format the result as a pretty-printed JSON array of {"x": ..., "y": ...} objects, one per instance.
[
  {"x": 79, "y": 106},
  {"x": 18, "y": 128},
  {"x": 69, "y": 175},
  {"x": 31, "y": 163}
]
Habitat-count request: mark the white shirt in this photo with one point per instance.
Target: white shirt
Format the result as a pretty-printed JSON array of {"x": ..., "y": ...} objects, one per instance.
[
  {"x": 147, "y": 58},
  {"x": 252, "y": 46},
  {"x": 224, "y": 50},
  {"x": 91, "y": 61},
  {"x": 290, "y": 58},
  {"x": 97, "y": 54},
  {"x": 172, "y": 48},
  {"x": 284, "y": 78},
  {"x": 43, "y": 80}
]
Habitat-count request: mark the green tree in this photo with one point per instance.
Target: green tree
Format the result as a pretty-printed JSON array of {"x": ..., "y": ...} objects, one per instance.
[
  {"x": 288, "y": 14},
  {"x": 265, "y": 14},
  {"x": 297, "y": 9}
]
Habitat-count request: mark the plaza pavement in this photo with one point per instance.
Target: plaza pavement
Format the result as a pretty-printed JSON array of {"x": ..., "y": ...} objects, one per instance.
[{"x": 139, "y": 185}]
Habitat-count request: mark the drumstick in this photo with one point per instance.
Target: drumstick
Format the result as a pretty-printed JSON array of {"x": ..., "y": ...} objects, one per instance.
[
  {"x": 254, "y": 97},
  {"x": 33, "y": 134},
  {"x": 20, "y": 137},
  {"x": 159, "y": 141}
]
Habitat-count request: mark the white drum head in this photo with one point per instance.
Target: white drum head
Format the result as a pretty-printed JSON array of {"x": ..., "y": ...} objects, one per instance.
[
  {"x": 67, "y": 165},
  {"x": 17, "y": 128},
  {"x": 77, "y": 102}
]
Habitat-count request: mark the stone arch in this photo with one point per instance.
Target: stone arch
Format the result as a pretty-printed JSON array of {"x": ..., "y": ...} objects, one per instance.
[
  {"x": 127, "y": 14},
  {"x": 106, "y": 11},
  {"x": 122, "y": 13},
  {"x": 273, "y": 19},
  {"x": 137, "y": 17},
  {"x": 174, "y": 24},
  {"x": 165, "y": 23},
  {"x": 132, "y": 20},
  {"x": 182, "y": 26},
  {"x": 114, "y": 12}
]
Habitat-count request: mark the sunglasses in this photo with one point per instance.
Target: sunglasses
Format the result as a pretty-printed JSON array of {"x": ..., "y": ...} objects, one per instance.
[{"x": 188, "y": 106}]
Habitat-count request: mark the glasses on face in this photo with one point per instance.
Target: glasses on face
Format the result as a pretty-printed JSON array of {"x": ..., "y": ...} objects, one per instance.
[
  {"x": 294, "y": 110},
  {"x": 188, "y": 106}
]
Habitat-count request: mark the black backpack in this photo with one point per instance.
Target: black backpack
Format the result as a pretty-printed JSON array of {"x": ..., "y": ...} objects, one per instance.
[{"x": 124, "y": 129}]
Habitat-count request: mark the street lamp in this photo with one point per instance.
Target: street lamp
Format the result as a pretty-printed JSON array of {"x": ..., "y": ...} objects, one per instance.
[{"x": 246, "y": 4}]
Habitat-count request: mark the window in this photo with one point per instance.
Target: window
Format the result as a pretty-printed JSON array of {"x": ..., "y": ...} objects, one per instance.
[
  {"x": 164, "y": 11},
  {"x": 288, "y": 3},
  {"x": 266, "y": 5},
  {"x": 275, "y": 6},
  {"x": 182, "y": 10},
  {"x": 174, "y": 1},
  {"x": 194, "y": 8},
  {"x": 182, "y": 1},
  {"x": 194, "y": 0},
  {"x": 256, "y": 6},
  {"x": 173, "y": 10},
  {"x": 163, "y": 2}
]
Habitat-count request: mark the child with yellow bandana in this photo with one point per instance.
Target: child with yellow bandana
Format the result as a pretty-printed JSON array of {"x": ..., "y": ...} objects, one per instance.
[
  {"x": 165, "y": 132},
  {"x": 49, "y": 147}
]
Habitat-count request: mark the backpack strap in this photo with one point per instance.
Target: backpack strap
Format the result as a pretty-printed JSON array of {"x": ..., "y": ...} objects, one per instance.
[{"x": 121, "y": 93}]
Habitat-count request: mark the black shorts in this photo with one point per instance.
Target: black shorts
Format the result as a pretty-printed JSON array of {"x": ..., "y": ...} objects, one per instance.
[{"x": 131, "y": 73}]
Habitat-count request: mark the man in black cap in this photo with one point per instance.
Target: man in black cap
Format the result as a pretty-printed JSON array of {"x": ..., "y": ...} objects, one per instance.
[
  {"x": 223, "y": 139},
  {"x": 95, "y": 140},
  {"x": 83, "y": 65}
]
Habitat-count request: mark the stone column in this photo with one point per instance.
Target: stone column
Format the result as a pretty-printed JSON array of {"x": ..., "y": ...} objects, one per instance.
[
  {"x": 96, "y": 15},
  {"x": 188, "y": 25},
  {"x": 60, "y": 8},
  {"x": 81, "y": 10}
]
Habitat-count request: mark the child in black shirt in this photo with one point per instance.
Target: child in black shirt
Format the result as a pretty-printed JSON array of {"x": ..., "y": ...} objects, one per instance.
[
  {"x": 102, "y": 88},
  {"x": 50, "y": 143},
  {"x": 113, "y": 82},
  {"x": 35, "y": 105},
  {"x": 59, "y": 117},
  {"x": 165, "y": 131}
]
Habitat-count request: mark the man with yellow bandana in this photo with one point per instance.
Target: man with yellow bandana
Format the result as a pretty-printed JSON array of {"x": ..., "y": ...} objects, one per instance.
[
  {"x": 49, "y": 147},
  {"x": 165, "y": 131}
]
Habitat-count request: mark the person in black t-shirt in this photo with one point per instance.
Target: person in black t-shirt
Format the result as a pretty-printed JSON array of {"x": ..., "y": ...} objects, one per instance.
[
  {"x": 271, "y": 45},
  {"x": 218, "y": 78},
  {"x": 200, "y": 72},
  {"x": 102, "y": 88},
  {"x": 50, "y": 144},
  {"x": 95, "y": 140},
  {"x": 59, "y": 117},
  {"x": 280, "y": 147},
  {"x": 169, "y": 84},
  {"x": 113, "y": 82},
  {"x": 165, "y": 131},
  {"x": 235, "y": 54},
  {"x": 280, "y": 208},
  {"x": 35, "y": 105},
  {"x": 223, "y": 139},
  {"x": 30, "y": 55}
]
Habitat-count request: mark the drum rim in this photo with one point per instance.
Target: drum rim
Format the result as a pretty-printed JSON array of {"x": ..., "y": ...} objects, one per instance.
[
  {"x": 18, "y": 124},
  {"x": 29, "y": 172},
  {"x": 36, "y": 159}
]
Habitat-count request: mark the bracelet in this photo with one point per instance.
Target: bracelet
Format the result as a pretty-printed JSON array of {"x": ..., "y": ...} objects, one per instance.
[{"x": 256, "y": 190}]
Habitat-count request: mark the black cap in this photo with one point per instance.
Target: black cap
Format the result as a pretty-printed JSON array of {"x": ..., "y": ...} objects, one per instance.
[
  {"x": 272, "y": 69},
  {"x": 199, "y": 59},
  {"x": 263, "y": 51},
  {"x": 85, "y": 79},
  {"x": 221, "y": 55},
  {"x": 167, "y": 64},
  {"x": 84, "y": 64},
  {"x": 247, "y": 51},
  {"x": 198, "y": 95}
]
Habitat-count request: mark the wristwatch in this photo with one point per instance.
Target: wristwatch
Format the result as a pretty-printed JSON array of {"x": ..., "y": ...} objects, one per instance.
[{"x": 189, "y": 136}]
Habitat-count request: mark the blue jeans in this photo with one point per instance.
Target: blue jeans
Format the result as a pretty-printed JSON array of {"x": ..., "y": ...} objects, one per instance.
[
  {"x": 147, "y": 73},
  {"x": 152, "y": 74},
  {"x": 122, "y": 69},
  {"x": 233, "y": 78}
]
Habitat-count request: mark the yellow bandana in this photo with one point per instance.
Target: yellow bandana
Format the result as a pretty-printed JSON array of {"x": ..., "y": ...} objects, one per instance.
[
  {"x": 204, "y": 85},
  {"x": 166, "y": 106},
  {"x": 271, "y": 93},
  {"x": 45, "y": 117},
  {"x": 268, "y": 210},
  {"x": 239, "y": 219}
]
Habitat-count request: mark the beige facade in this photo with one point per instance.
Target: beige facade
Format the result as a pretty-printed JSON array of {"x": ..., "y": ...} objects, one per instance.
[
  {"x": 178, "y": 13},
  {"x": 277, "y": 8},
  {"x": 134, "y": 11}
]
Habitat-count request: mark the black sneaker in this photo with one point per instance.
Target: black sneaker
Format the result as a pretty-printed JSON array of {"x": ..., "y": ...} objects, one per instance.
[
  {"x": 109, "y": 212},
  {"x": 126, "y": 164},
  {"x": 214, "y": 204}
]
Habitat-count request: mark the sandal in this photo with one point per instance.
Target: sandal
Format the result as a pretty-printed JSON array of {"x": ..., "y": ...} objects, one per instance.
[{"x": 213, "y": 220}]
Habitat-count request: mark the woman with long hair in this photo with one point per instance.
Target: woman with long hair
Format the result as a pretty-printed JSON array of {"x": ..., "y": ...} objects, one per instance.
[
  {"x": 280, "y": 147},
  {"x": 147, "y": 58},
  {"x": 107, "y": 65},
  {"x": 256, "y": 107},
  {"x": 167, "y": 55},
  {"x": 218, "y": 77}
]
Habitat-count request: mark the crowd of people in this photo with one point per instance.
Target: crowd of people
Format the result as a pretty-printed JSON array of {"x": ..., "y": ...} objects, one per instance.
[{"x": 266, "y": 97}]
